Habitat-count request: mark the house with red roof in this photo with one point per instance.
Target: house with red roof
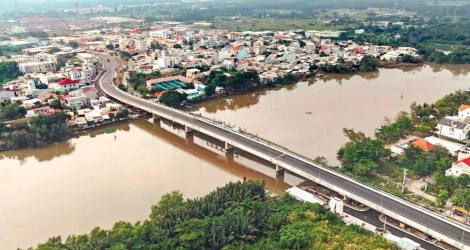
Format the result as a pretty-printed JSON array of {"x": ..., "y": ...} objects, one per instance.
[
  {"x": 191, "y": 63},
  {"x": 242, "y": 65},
  {"x": 67, "y": 84},
  {"x": 459, "y": 167},
  {"x": 41, "y": 111},
  {"x": 145, "y": 69},
  {"x": 422, "y": 144},
  {"x": 132, "y": 50},
  {"x": 464, "y": 111}
]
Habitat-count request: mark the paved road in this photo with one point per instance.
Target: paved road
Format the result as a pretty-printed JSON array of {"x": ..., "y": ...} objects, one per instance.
[
  {"x": 410, "y": 211},
  {"x": 372, "y": 217}
]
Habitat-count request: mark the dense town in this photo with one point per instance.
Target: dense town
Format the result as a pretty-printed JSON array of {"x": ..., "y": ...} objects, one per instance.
[{"x": 65, "y": 68}]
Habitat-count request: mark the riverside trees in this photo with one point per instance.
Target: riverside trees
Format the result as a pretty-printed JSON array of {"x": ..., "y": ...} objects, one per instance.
[
  {"x": 237, "y": 216},
  {"x": 38, "y": 132}
]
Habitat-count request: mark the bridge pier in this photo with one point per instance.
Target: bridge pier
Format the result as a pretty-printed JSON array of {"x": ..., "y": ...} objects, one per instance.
[
  {"x": 229, "y": 157},
  {"x": 156, "y": 118},
  {"x": 279, "y": 170},
  {"x": 187, "y": 129},
  {"x": 189, "y": 139},
  {"x": 279, "y": 178},
  {"x": 228, "y": 147}
]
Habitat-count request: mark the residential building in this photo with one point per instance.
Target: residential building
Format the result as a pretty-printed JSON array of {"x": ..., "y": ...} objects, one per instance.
[
  {"x": 459, "y": 167},
  {"x": 40, "y": 111},
  {"x": 34, "y": 67},
  {"x": 422, "y": 144},
  {"x": 67, "y": 84},
  {"x": 453, "y": 127}
]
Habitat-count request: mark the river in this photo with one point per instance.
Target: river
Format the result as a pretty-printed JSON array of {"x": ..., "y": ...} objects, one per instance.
[{"x": 97, "y": 179}]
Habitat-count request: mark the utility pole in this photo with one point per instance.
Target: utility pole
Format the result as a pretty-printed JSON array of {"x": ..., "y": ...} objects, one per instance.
[{"x": 404, "y": 180}]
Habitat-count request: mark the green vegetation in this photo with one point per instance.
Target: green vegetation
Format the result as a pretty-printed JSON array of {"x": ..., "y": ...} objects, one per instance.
[
  {"x": 139, "y": 79},
  {"x": 393, "y": 132},
  {"x": 237, "y": 216},
  {"x": 209, "y": 90},
  {"x": 123, "y": 113},
  {"x": 109, "y": 46},
  {"x": 8, "y": 51},
  {"x": 172, "y": 98},
  {"x": 361, "y": 154},
  {"x": 423, "y": 163},
  {"x": 8, "y": 71},
  {"x": 368, "y": 63},
  {"x": 73, "y": 44},
  {"x": 11, "y": 111},
  {"x": 236, "y": 81},
  {"x": 54, "y": 50},
  {"x": 40, "y": 131}
]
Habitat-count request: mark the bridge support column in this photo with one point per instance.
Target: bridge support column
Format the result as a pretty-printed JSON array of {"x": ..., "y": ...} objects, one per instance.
[
  {"x": 156, "y": 118},
  {"x": 229, "y": 157},
  {"x": 228, "y": 147},
  {"x": 279, "y": 178},
  {"x": 187, "y": 129},
  {"x": 279, "y": 170},
  {"x": 189, "y": 139}
]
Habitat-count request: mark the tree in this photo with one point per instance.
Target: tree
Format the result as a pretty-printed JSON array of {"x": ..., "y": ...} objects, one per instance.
[
  {"x": 461, "y": 198},
  {"x": 361, "y": 154},
  {"x": 143, "y": 90},
  {"x": 177, "y": 46},
  {"x": 368, "y": 63},
  {"x": 209, "y": 90},
  {"x": 109, "y": 46},
  {"x": 293, "y": 237},
  {"x": 172, "y": 98},
  {"x": 11, "y": 111},
  {"x": 8, "y": 71},
  {"x": 55, "y": 104},
  {"x": 442, "y": 198},
  {"x": 123, "y": 113},
  {"x": 41, "y": 86},
  {"x": 73, "y": 44},
  {"x": 192, "y": 233},
  {"x": 463, "y": 180},
  {"x": 54, "y": 50}
]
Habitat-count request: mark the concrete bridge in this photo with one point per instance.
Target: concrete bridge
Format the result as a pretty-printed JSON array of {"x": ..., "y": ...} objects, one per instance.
[{"x": 431, "y": 223}]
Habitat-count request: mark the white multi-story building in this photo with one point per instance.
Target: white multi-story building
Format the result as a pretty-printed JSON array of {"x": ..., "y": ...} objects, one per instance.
[
  {"x": 166, "y": 34},
  {"x": 140, "y": 45},
  {"x": 34, "y": 67}
]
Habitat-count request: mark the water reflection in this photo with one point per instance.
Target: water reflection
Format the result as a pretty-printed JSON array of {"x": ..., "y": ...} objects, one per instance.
[
  {"x": 57, "y": 149},
  {"x": 40, "y": 154},
  {"x": 456, "y": 70},
  {"x": 234, "y": 103}
]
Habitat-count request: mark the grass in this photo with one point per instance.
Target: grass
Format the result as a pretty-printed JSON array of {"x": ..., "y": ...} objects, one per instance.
[{"x": 389, "y": 169}]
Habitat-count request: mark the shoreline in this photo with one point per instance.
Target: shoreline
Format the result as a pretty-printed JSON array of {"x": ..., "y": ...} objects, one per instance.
[{"x": 318, "y": 75}]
